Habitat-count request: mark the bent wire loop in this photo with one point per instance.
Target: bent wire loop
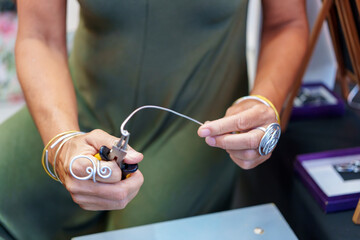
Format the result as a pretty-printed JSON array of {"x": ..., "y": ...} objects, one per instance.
[
  {"x": 91, "y": 171},
  {"x": 105, "y": 171}
]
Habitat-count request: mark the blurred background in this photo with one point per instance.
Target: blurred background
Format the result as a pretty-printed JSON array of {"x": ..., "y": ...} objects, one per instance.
[
  {"x": 322, "y": 66},
  {"x": 11, "y": 97}
]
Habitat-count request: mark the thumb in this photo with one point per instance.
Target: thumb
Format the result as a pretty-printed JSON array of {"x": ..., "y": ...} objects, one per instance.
[{"x": 133, "y": 156}]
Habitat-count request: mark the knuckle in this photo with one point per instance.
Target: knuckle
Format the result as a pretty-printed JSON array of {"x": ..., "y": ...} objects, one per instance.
[
  {"x": 266, "y": 157},
  {"x": 224, "y": 142},
  {"x": 79, "y": 167},
  {"x": 122, "y": 204},
  {"x": 71, "y": 188},
  {"x": 116, "y": 175},
  {"x": 250, "y": 154},
  {"x": 230, "y": 111},
  {"x": 246, "y": 165},
  {"x": 253, "y": 141},
  {"x": 220, "y": 128},
  {"x": 85, "y": 207},
  {"x": 76, "y": 199},
  {"x": 221, "y": 143},
  {"x": 269, "y": 112},
  {"x": 241, "y": 123},
  {"x": 82, "y": 206},
  {"x": 104, "y": 205},
  {"x": 261, "y": 108},
  {"x": 266, "y": 111},
  {"x": 233, "y": 157},
  {"x": 121, "y": 195},
  {"x": 96, "y": 132},
  {"x": 112, "y": 173}
]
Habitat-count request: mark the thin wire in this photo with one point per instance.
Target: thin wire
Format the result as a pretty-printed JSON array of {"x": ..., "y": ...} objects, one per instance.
[
  {"x": 126, "y": 133},
  {"x": 58, "y": 150},
  {"x": 351, "y": 96}
]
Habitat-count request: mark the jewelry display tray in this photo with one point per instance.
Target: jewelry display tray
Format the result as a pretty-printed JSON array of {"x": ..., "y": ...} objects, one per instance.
[
  {"x": 326, "y": 185},
  {"x": 319, "y": 102}
]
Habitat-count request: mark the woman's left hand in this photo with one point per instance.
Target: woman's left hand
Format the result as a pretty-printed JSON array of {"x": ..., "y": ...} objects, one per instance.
[{"x": 237, "y": 134}]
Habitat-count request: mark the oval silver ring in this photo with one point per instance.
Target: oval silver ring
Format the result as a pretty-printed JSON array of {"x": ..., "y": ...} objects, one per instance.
[
  {"x": 261, "y": 128},
  {"x": 270, "y": 139}
]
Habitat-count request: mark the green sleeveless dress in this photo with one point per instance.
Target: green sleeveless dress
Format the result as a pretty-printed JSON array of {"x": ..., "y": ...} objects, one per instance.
[{"x": 185, "y": 55}]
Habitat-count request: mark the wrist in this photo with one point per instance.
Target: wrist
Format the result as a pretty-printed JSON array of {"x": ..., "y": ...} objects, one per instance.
[
  {"x": 49, "y": 132},
  {"x": 58, "y": 139}
]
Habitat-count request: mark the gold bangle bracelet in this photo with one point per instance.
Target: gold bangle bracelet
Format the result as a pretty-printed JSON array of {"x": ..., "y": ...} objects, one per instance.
[
  {"x": 63, "y": 141},
  {"x": 263, "y": 100},
  {"x": 271, "y": 105},
  {"x": 45, "y": 152}
]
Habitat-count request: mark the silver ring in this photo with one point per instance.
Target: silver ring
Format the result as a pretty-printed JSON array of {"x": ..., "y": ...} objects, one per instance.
[
  {"x": 261, "y": 128},
  {"x": 270, "y": 139}
]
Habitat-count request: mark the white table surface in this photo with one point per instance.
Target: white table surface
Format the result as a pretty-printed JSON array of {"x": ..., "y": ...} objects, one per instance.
[{"x": 227, "y": 225}]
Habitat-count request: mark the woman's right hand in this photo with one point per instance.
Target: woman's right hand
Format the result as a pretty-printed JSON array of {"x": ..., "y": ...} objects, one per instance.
[
  {"x": 106, "y": 193},
  {"x": 42, "y": 67}
]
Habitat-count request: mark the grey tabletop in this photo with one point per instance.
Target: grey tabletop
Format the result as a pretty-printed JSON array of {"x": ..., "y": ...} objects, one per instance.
[{"x": 256, "y": 222}]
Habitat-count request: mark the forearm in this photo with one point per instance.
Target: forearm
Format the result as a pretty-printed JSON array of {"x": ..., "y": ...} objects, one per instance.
[
  {"x": 282, "y": 51},
  {"x": 47, "y": 86}
]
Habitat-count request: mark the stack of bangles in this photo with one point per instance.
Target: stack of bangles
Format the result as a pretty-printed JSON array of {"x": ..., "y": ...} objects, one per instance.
[
  {"x": 272, "y": 132},
  {"x": 60, "y": 140}
]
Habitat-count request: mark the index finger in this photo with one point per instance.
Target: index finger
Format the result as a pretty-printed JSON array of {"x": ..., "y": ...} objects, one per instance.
[{"x": 242, "y": 121}]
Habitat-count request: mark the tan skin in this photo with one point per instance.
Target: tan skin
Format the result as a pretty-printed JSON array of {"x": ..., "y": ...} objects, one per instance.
[
  {"x": 42, "y": 65},
  {"x": 283, "y": 45}
]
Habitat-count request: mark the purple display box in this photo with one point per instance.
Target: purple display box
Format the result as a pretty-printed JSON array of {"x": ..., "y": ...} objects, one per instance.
[
  {"x": 328, "y": 204},
  {"x": 326, "y": 103}
]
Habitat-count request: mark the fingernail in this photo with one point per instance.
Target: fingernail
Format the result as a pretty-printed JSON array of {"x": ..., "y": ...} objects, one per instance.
[
  {"x": 139, "y": 155},
  {"x": 211, "y": 141},
  {"x": 204, "y": 132}
]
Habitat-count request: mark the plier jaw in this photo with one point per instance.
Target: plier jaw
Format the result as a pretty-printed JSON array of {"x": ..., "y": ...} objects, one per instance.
[
  {"x": 119, "y": 150},
  {"x": 117, "y": 153}
]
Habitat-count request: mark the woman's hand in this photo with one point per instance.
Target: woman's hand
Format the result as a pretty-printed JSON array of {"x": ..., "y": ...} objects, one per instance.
[
  {"x": 106, "y": 193},
  {"x": 237, "y": 134}
]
